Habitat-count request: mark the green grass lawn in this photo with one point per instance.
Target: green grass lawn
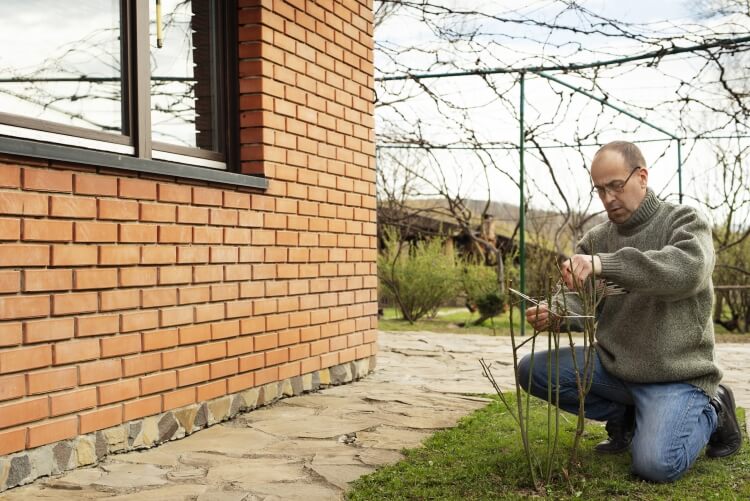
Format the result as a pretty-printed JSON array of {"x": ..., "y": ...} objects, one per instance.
[
  {"x": 450, "y": 320},
  {"x": 482, "y": 458}
]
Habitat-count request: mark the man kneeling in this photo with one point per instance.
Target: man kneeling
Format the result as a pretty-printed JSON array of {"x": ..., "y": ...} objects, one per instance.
[{"x": 655, "y": 380}]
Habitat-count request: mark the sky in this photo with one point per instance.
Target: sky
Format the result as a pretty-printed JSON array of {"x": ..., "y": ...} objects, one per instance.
[{"x": 634, "y": 88}]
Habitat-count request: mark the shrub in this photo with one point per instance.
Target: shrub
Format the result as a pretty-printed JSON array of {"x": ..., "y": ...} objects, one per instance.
[
  {"x": 418, "y": 277},
  {"x": 482, "y": 290}
]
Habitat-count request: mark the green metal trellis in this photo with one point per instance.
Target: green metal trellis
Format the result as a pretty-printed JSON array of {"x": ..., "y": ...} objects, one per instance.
[{"x": 541, "y": 72}]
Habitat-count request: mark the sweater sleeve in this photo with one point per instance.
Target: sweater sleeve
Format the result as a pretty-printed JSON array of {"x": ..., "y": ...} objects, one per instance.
[{"x": 673, "y": 272}]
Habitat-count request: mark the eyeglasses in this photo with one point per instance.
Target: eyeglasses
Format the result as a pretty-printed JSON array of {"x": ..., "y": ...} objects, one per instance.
[{"x": 613, "y": 187}]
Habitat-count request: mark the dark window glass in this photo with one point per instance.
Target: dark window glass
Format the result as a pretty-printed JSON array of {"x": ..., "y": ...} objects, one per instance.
[
  {"x": 61, "y": 62},
  {"x": 186, "y": 91}
]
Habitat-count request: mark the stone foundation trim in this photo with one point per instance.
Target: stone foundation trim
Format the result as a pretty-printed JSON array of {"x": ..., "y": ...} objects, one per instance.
[{"x": 86, "y": 450}]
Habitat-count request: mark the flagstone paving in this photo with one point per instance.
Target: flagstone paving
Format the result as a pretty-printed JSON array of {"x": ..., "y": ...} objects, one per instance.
[{"x": 311, "y": 446}]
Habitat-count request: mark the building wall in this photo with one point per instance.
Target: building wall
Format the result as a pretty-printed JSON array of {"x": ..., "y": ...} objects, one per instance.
[{"x": 125, "y": 296}]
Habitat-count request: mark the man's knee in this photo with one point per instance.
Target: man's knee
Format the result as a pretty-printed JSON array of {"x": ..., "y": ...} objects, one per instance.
[{"x": 658, "y": 466}]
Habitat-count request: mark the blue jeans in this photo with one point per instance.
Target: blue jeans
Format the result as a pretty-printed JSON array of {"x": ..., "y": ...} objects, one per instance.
[{"x": 673, "y": 420}]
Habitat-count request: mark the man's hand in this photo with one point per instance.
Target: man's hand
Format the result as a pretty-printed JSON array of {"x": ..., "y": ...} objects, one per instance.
[
  {"x": 578, "y": 268},
  {"x": 540, "y": 317}
]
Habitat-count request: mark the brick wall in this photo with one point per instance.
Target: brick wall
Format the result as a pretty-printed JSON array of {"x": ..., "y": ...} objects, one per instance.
[{"x": 123, "y": 297}]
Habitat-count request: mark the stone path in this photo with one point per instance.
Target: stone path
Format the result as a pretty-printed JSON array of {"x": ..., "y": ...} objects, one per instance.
[{"x": 309, "y": 447}]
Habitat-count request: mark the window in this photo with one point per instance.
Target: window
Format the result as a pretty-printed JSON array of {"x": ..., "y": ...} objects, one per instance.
[{"x": 146, "y": 78}]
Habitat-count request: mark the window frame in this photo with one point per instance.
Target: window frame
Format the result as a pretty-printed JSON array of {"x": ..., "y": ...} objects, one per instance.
[{"x": 133, "y": 148}]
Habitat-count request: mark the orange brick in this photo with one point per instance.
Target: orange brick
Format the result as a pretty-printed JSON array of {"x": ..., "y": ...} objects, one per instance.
[
  {"x": 76, "y": 351},
  {"x": 175, "y": 275},
  {"x": 176, "y": 316},
  {"x": 237, "y": 272},
  {"x": 49, "y": 330},
  {"x": 174, "y": 234},
  {"x": 268, "y": 375},
  {"x": 252, "y": 325},
  {"x": 179, "y": 398},
  {"x": 24, "y": 307},
  {"x": 119, "y": 254},
  {"x": 236, "y": 200},
  {"x": 12, "y": 440},
  {"x": 276, "y": 357},
  {"x": 222, "y": 330},
  {"x": 30, "y": 204},
  {"x": 119, "y": 210},
  {"x": 95, "y": 279},
  {"x": 73, "y": 401},
  {"x": 24, "y": 255},
  {"x": 193, "y": 375},
  {"x": 190, "y": 295},
  {"x": 211, "y": 390},
  {"x": 195, "y": 334},
  {"x": 73, "y": 207},
  {"x": 209, "y": 312},
  {"x": 95, "y": 185},
  {"x": 192, "y": 215},
  {"x": 137, "y": 188},
  {"x": 174, "y": 193},
  {"x": 209, "y": 273},
  {"x": 10, "y": 229},
  {"x": 23, "y": 412},
  {"x": 22, "y": 359},
  {"x": 192, "y": 254},
  {"x": 158, "y": 383},
  {"x": 241, "y": 382},
  {"x": 120, "y": 300},
  {"x": 251, "y": 362},
  {"x": 329, "y": 360},
  {"x": 141, "y": 364},
  {"x": 266, "y": 341},
  {"x": 119, "y": 391},
  {"x": 10, "y": 176},
  {"x": 13, "y": 387},
  {"x": 224, "y": 368},
  {"x": 141, "y": 320},
  {"x": 289, "y": 370},
  {"x": 100, "y": 419},
  {"x": 81, "y": 302},
  {"x": 207, "y": 235},
  {"x": 121, "y": 344},
  {"x": 211, "y": 351},
  {"x": 47, "y": 280},
  {"x": 158, "y": 297},
  {"x": 159, "y": 254},
  {"x": 141, "y": 407},
  {"x": 138, "y": 277},
  {"x": 178, "y": 358},
  {"x": 52, "y": 431},
  {"x": 224, "y": 292},
  {"x": 101, "y": 370},
  {"x": 95, "y": 232},
  {"x": 156, "y": 340},
  {"x": 207, "y": 196},
  {"x": 310, "y": 365},
  {"x": 144, "y": 233},
  {"x": 158, "y": 212},
  {"x": 74, "y": 255},
  {"x": 47, "y": 180}
]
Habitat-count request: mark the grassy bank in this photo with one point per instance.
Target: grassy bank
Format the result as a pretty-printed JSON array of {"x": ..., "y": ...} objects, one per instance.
[{"x": 482, "y": 458}]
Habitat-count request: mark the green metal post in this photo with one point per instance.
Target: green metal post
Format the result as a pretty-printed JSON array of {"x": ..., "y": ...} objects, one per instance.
[
  {"x": 679, "y": 167},
  {"x": 522, "y": 205}
]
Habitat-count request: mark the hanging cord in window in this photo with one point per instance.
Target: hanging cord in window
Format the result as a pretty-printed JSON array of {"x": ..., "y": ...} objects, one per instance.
[{"x": 159, "y": 32}]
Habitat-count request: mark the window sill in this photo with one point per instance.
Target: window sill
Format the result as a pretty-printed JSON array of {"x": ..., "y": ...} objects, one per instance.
[{"x": 21, "y": 147}]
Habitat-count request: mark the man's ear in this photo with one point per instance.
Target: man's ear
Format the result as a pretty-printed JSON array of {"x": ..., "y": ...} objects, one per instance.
[{"x": 643, "y": 176}]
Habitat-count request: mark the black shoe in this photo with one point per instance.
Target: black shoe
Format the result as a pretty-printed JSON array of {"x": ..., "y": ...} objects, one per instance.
[
  {"x": 619, "y": 434},
  {"x": 727, "y": 439}
]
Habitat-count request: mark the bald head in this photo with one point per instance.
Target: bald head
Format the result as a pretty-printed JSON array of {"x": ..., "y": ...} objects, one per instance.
[{"x": 630, "y": 153}]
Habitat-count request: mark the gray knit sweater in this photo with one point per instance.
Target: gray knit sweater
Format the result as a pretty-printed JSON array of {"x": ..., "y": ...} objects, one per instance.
[{"x": 662, "y": 330}]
